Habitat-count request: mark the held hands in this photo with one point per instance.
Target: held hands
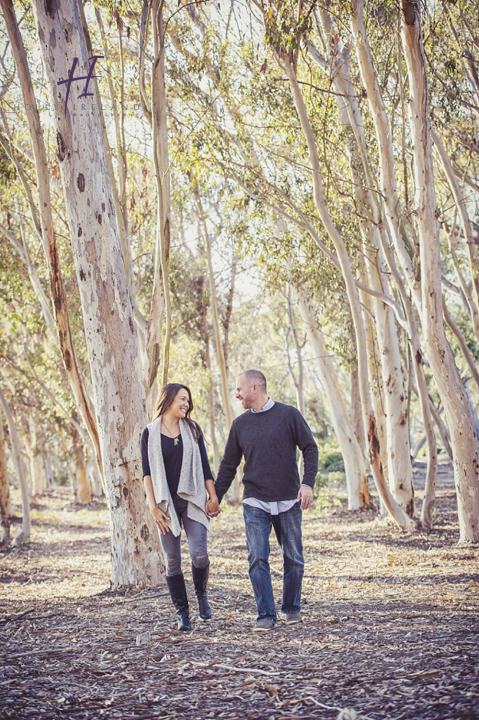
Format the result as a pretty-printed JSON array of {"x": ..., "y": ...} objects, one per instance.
[
  {"x": 161, "y": 519},
  {"x": 213, "y": 507},
  {"x": 305, "y": 496}
]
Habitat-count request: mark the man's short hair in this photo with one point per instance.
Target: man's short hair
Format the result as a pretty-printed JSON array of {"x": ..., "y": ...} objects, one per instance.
[{"x": 256, "y": 377}]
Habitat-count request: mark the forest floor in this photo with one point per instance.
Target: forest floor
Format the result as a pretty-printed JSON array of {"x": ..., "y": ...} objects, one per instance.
[{"x": 390, "y": 624}]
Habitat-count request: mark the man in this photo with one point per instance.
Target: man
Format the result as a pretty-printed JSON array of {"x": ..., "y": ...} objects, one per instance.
[{"x": 267, "y": 434}]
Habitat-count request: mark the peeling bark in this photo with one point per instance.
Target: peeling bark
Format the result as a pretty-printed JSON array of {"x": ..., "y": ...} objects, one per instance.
[
  {"x": 77, "y": 384},
  {"x": 110, "y": 331},
  {"x": 453, "y": 395}
]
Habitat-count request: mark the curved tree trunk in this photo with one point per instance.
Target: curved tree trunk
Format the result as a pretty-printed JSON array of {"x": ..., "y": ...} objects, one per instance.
[
  {"x": 354, "y": 466},
  {"x": 466, "y": 228},
  {"x": 453, "y": 395},
  {"x": 368, "y": 413},
  {"x": 397, "y": 447},
  {"x": 385, "y": 148},
  {"x": 110, "y": 331}
]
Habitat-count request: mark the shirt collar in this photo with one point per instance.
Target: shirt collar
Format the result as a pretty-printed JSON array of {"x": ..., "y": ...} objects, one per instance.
[{"x": 265, "y": 407}]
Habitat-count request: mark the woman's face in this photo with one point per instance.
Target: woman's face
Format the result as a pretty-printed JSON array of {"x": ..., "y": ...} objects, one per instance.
[{"x": 181, "y": 403}]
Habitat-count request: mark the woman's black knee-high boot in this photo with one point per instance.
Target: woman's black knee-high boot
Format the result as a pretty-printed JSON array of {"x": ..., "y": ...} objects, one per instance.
[
  {"x": 177, "y": 588},
  {"x": 200, "y": 580}
]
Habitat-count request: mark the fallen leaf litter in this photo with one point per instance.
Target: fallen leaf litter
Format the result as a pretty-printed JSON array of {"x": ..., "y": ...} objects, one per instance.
[{"x": 390, "y": 626}]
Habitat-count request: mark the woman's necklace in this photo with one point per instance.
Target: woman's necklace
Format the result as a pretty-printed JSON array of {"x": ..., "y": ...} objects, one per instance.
[{"x": 176, "y": 438}]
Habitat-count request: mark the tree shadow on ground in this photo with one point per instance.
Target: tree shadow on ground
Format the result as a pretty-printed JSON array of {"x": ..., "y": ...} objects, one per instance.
[
  {"x": 115, "y": 655},
  {"x": 390, "y": 632}
]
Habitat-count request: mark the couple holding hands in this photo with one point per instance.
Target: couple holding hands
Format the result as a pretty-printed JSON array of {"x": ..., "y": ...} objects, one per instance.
[{"x": 178, "y": 477}]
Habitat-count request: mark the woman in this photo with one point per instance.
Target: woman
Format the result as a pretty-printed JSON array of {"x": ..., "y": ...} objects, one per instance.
[{"x": 177, "y": 474}]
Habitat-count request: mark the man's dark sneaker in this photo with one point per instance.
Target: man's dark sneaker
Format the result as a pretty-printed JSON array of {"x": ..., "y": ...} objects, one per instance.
[
  {"x": 293, "y": 618},
  {"x": 264, "y": 626}
]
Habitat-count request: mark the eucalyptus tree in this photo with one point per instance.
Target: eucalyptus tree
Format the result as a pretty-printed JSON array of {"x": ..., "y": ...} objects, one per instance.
[
  {"x": 284, "y": 34},
  {"x": 285, "y": 31},
  {"x": 5, "y": 505},
  {"x": 42, "y": 218},
  {"x": 254, "y": 153},
  {"x": 111, "y": 336},
  {"x": 25, "y": 532},
  {"x": 464, "y": 439}
]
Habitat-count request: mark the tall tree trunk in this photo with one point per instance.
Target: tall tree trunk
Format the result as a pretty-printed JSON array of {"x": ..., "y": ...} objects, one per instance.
[
  {"x": 395, "y": 398},
  {"x": 473, "y": 293},
  {"x": 377, "y": 390},
  {"x": 368, "y": 413},
  {"x": 462, "y": 342},
  {"x": 121, "y": 211},
  {"x": 399, "y": 468},
  {"x": 24, "y": 535},
  {"x": 211, "y": 407},
  {"x": 70, "y": 361},
  {"x": 354, "y": 466},
  {"x": 161, "y": 303},
  {"x": 81, "y": 482},
  {"x": 298, "y": 381},
  {"x": 376, "y": 238},
  {"x": 39, "y": 484},
  {"x": 235, "y": 489},
  {"x": 356, "y": 418},
  {"x": 122, "y": 162},
  {"x": 94, "y": 478},
  {"x": 5, "y": 506},
  {"x": 453, "y": 395},
  {"x": 110, "y": 331},
  {"x": 385, "y": 149}
]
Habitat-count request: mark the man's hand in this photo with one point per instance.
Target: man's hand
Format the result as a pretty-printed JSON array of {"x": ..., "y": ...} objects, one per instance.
[
  {"x": 305, "y": 496},
  {"x": 213, "y": 508},
  {"x": 161, "y": 519}
]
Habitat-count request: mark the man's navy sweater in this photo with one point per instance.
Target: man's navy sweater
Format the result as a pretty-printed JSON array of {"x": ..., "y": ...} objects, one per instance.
[{"x": 268, "y": 441}]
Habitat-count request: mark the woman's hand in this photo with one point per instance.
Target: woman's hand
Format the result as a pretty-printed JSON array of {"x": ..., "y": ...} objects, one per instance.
[
  {"x": 213, "y": 507},
  {"x": 161, "y": 519}
]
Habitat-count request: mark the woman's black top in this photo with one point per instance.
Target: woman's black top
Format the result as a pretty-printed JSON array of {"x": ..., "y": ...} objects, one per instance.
[{"x": 172, "y": 458}]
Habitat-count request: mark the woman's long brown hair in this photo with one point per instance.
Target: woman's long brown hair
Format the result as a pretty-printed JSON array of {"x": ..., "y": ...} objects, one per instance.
[{"x": 165, "y": 399}]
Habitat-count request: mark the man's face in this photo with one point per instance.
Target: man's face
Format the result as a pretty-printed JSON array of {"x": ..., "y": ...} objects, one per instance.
[{"x": 245, "y": 392}]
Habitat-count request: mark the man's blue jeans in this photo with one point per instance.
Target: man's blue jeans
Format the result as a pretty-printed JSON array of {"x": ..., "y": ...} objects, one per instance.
[{"x": 287, "y": 526}]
